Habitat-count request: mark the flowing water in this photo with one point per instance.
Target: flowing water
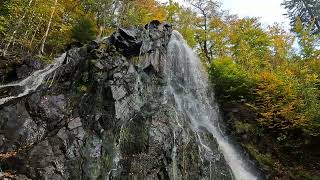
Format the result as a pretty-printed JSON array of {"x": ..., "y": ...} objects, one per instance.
[
  {"x": 32, "y": 82},
  {"x": 187, "y": 86}
]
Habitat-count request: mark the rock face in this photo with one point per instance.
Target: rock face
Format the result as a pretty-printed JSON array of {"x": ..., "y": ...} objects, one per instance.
[
  {"x": 12, "y": 69},
  {"x": 102, "y": 116}
]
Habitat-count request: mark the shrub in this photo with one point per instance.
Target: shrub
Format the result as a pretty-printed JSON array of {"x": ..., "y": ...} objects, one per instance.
[
  {"x": 84, "y": 30},
  {"x": 278, "y": 102},
  {"x": 230, "y": 81}
]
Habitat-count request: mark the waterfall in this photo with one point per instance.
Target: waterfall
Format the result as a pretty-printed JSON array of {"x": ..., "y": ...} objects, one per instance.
[
  {"x": 32, "y": 82},
  {"x": 192, "y": 116},
  {"x": 187, "y": 91}
]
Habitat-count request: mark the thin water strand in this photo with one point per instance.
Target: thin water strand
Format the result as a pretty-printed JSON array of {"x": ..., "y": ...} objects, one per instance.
[{"x": 32, "y": 82}]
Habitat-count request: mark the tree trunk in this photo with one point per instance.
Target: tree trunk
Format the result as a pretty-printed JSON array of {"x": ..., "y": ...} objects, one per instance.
[
  {"x": 201, "y": 7},
  {"x": 15, "y": 31},
  {"x": 48, "y": 27},
  {"x": 34, "y": 34},
  {"x": 100, "y": 32},
  {"x": 206, "y": 38}
]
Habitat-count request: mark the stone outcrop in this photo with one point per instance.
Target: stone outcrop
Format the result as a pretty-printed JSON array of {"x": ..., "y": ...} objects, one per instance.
[{"x": 102, "y": 117}]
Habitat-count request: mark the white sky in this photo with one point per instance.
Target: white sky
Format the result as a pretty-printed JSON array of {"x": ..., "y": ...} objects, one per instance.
[{"x": 269, "y": 11}]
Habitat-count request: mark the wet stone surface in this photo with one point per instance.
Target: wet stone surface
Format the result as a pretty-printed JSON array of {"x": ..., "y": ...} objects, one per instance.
[{"x": 103, "y": 117}]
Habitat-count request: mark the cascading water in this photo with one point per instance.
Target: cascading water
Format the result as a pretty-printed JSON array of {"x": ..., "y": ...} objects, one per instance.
[
  {"x": 187, "y": 90},
  {"x": 32, "y": 82},
  {"x": 186, "y": 109}
]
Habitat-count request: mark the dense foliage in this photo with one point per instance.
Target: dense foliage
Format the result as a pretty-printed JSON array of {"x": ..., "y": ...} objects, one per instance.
[
  {"x": 47, "y": 27},
  {"x": 263, "y": 71},
  {"x": 306, "y": 10},
  {"x": 84, "y": 30},
  {"x": 283, "y": 87}
]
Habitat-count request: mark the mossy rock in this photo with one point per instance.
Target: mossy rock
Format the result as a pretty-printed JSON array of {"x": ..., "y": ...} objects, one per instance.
[{"x": 134, "y": 137}]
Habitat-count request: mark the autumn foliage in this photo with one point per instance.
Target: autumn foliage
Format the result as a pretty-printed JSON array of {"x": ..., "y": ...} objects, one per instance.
[
  {"x": 264, "y": 73},
  {"x": 48, "y": 26}
]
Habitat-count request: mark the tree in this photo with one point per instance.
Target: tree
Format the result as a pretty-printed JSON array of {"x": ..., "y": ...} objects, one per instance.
[
  {"x": 30, "y": 25},
  {"x": 308, "y": 11},
  {"x": 281, "y": 44},
  {"x": 16, "y": 28},
  {"x": 307, "y": 42},
  {"x": 250, "y": 44},
  {"x": 207, "y": 9},
  {"x": 183, "y": 20},
  {"x": 172, "y": 9},
  {"x": 84, "y": 30},
  {"x": 141, "y": 12},
  {"x": 3, "y": 12},
  {"x": 49, "y": 25},
  {"x": 105, "y": 11}
]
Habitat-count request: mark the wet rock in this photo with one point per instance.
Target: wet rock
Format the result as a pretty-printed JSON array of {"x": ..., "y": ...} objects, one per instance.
[
  {"x": 134, "y": 42},
  {"x": 74, "y": 45},
  {"x": 18, "y": 128},
  {"x": 35, "y": 64},
  {"x": 153, "y": 24},
  {"x": 98, "y": 65},
  {"x": 23, "y": 71},
  {"x": 74, "y": 123},
  {"x": 53, "y": 107},
  {"x": 2, "y": 140},
  {"x": 104, "y": 117},
  {"x": 127, "y": 41},
  {"x": 46, "y": 162},
  {"x": 118, "y": 92}
]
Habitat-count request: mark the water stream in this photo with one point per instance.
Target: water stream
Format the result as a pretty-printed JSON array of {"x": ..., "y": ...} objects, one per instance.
[
  {"x": 187, "y": 91},
  {"x": 32, "y": 82},
  {"x": 187, "y": 87}
]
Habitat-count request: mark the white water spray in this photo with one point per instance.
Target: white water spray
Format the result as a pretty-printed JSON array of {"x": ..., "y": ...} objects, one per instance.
[
  {"x": 187, "y": 87},
  {"x": 32, "y": 82}
]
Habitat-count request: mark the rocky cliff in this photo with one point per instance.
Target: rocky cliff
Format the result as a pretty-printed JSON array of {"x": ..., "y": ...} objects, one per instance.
[{"x": 101, "y": 115}]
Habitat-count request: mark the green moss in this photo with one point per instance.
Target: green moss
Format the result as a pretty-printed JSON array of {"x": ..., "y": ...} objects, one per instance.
[
  {"x": 45, "y": 59},
  {"x": 104, "y": 46},
  {"x": 136, "y": 60},
  {"x": 83, "y": 88},
  {"x": 124, "y": 134},
  {"x": 93, "y": 169},
  {"x": 243, "y": 127},
  {"x": 134, "y": 137},
  {"x": 265, "y": 160},
  {"x": 107, "y": 161},
  {"x": 298, "y": 174},
  {"x": 50, "y": 82}
]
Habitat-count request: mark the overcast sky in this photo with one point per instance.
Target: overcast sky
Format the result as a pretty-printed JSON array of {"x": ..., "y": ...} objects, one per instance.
[{"x": 269, "y": 11}]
